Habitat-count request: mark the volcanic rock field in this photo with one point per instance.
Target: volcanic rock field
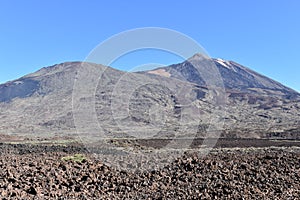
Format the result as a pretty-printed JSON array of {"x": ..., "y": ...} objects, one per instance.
[{"x": 43, "y": 171}]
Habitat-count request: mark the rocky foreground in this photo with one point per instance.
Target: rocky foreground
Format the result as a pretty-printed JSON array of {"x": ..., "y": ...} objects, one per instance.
[{"x": 50, "y": 172}]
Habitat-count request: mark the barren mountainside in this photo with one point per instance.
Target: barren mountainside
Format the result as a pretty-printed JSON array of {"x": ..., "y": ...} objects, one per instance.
[{"x": 159, "y": 102}]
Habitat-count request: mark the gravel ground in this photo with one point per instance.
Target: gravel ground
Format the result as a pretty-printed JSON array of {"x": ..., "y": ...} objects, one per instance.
[{"x": 39, "y": 172}]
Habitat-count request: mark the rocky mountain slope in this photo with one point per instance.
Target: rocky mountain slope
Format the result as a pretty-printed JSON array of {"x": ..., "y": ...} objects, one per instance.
[
  {"x": 235, "y": 77},
  {"x": 168, "y": 101},
  {"x": 256, "y": 105}
]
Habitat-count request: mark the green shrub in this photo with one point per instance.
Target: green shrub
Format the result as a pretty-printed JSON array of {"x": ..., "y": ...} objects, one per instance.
[{"x": 76, "y": 158}]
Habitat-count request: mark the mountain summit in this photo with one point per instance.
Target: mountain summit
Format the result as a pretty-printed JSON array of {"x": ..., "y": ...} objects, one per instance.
[
  {"x": 234, "y": 76},
  {"x": 157, "y": 102}
]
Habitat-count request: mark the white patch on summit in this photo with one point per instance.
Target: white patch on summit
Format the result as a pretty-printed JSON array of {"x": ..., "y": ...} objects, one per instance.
[
  {"x": 226, "y": 64},
  {"x": 18, "y": 82}
]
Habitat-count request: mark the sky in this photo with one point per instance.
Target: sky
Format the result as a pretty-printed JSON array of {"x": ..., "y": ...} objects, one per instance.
[{"x": 260, "y": 34}]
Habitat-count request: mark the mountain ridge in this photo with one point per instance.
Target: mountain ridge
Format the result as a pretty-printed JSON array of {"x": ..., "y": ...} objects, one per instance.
[
  {"x": 41, "y": 103},
  {"x": 222, "y": 66}
]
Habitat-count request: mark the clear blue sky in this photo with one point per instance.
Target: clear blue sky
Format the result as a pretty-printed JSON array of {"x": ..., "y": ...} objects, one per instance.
[{"x": 261, "y": 34}]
